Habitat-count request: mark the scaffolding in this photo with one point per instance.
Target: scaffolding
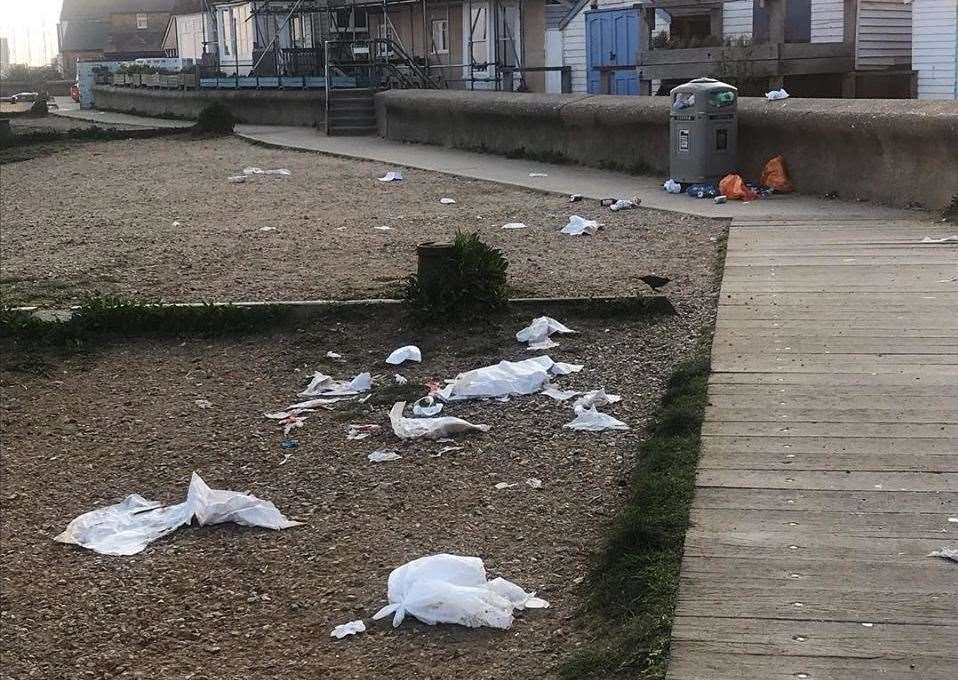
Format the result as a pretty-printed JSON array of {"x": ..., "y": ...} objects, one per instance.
[{"x": 288, "y": 38}]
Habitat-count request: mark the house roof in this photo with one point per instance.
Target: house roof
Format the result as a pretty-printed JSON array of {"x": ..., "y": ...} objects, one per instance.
[
  {"x": 81, "y": 35},
  {"x": 97, "y": 9}
]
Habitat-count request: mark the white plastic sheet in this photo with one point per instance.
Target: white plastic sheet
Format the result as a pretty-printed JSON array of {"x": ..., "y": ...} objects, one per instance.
[
  {"x": 672, "y": 186},
  {"x": 591, "y": 420},
  {"x": 514, "y": 225},
  {"x": 260, "y": 171},
  {"x": 383, "y": 228},
  {"x": 391, "y": 176},
  {"x": 504, "y": 379},
  {"x": 323, "y": 385},
  {"x": 945, "y": 553},
  {"x": 383, "y": 456},
  {"x": 356, "y": 432},
  {"x": 943, "y": 239},
  {"x": 427, "y": 407},
  {"x": 428, "y": 428},
  {"x": 579, "y": 226},
  {"x": 537, "y": 333},
  {"x": 400, "y": 379},
  {"x": 128, "y": 527},
  {"x": 407, "y": 353},
  {"x": 447, "y": 201},
  {"x": 351, "y": 628},
  {"x": 453, "y": 589},
  {"x": 538, "y": 174},
  {"x": 623, "y": 204},
  {"x": 776, "y": 94},
  {"x": 559, "y": 395},
  {"x": 236, "y": 179},
  {"x": 597, "y": 398}
]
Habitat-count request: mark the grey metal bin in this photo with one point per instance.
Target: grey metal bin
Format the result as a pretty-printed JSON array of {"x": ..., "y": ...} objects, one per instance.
[{"x": 703, "y": 131}]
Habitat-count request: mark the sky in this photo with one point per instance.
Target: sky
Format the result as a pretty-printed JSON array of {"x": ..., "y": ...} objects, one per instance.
[{"x": 30, "y": 26}]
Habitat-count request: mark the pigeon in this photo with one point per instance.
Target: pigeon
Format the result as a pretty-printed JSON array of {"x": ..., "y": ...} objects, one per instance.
[{"x": 654, "y": 282}]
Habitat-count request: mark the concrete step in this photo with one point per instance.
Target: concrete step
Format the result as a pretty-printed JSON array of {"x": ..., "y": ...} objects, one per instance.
[{"x": 351, "y": 130}]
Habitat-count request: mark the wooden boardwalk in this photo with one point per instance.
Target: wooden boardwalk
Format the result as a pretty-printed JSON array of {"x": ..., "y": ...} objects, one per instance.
[{"x": 829, "y": 465}]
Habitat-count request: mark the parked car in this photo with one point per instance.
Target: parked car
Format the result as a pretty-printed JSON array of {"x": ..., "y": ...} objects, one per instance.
[
  {"x": 75, "y": 92},
  {"x": 24, "y": 97}
]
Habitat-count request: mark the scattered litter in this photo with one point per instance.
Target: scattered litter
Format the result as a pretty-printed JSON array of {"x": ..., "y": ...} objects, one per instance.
[
  {"x": 383, "y": 456},
  {"x": 288, "y": 444},
  {"x": 391, "y": 176},
  {"x": 623, "y": 204},
  {"x": 128, "y": 527},
  {"x": 733, "y": 188},
  {"x": 538, "y": 174},
  {"x": 312, "y": 403},
  {"x": 236, "y": 179},
  {"x": 356, "y": 432},
  {"x": 430, "y": 428},
  {"x": 427, "y": 407},
  {"x": 562, "y": 368},
  {"x": 776, "y": 94},
  {"x": 407, "y": 353},
  {"x": 953, "y": 520},
  {"x": 383, "y": 228},
  {"x": 596, "y": 398},
  {"x": 537, "y": 333},
  {"x": 672, "y": 186},
  {"x": 203, "y": 403},
  {"x": 289, "y": 413},
  {"x": 775, "y": 177},
  {"x": 578, "y": 226},
  {"x": 683, "y": 100},
  {"x": 291, "y": 423},
  {"x": 400, "y": 379},
  {"x": 505, "y": 378},
  {"x": 590, "y": 420},
  {"x": 266, "y": 229},
  {"x": 260, "y": 171},
  {"x": 943, "y": 239},
  {"x": 945, "y": 553},
  {"x": 333, "y": 355},
  {"x": 447, "y": 201},
  {"x": 504, "y": 485},
  {"x": 534, "y": 482},
  {"x": 176, "y": 224},
  {"x": 453, "y": 589},
  {"x": 575, "y": 198},
  {"x": 606, "y": 202},
  {"x": 351, "y": 628},
  {"x": 447, "y": 449},
  {"x": 324, "y": 385},
  {"x": 514, "y": 225},
  {"x": 721, "y": 199},
  {"x": 559, "y": 395},
  {"x": 703, "y": 190},
  {"x": 286, "y": 458}
]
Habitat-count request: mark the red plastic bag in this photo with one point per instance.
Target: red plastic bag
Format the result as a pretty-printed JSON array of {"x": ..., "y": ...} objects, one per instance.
[
  {"x": 733, "y": 188},
  {"x": 775, "y": 176}
]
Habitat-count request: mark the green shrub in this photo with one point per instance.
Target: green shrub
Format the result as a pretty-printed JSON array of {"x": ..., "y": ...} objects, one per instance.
[
  {"x": 473, "y": 279},
  {"x": 215, "y": 118}
]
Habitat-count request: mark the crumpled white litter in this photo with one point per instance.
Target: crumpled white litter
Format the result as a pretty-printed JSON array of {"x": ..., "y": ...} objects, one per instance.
[
  {"x": 573, "y": 198},
  {"x": 534, "y": 482},
  {"x": 356, "y": 432},
  {"x": 672, "y": 186},
  {"x": 776, "y": 94},
  {"x": 203, "y": 403},
  {"x": 391, "y": 176},
  {"x": 351, "y": 628},
  {"x": 429, "y": 428},
  {"x": 400, "y": 379},
  {"x": 333, "y": 355},
  {"x": 259, "y": 171},
  {"x": 538, "y": 174},
  {"x": 266, "y": 229},
  {"x": 504, "y": 379},
  {"x": 943, "y": 239},
  {"x": 537, "y": 333},
  {"x": 407, "y": 353},
  {"x": 383, "y": 456},
  {"x": 447, "y": 201},
  {"x": 453, "y": 589},
  {"x": 383, "y": 228},
  {"x": 427, "y": 407},
  {"x": 504, "y": 485},
  {"x": 323, "y": 385},
  {"x": 514, "y": 225},
  {"x": 128, "y": 527},
  {"x": 590, "y": 420},
  {"x": 946, "y": 553},
  {"x": 579, "y": 226},
  {"x": 596, "y": 398},
  {"x": 623, "y": 204},
  {"x": 236, "y": 179},
  {"x": 559, "y": 395}
]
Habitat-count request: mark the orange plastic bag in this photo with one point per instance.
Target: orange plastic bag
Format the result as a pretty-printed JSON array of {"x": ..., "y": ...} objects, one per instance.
[
  {"x": 775, "y": 176},
  {"x": 733, "y": 188}
]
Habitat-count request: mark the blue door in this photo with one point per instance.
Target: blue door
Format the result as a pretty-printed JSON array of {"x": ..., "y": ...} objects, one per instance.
[{"x": 613, "y": 37}]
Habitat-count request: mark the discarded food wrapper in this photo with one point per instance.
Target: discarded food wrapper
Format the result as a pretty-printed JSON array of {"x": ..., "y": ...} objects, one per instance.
[
  {"x": 427, "y": 407},
  {"x": 351, "y": 628},
  {"x": 203, "y": 403},
  {"x": 776, "y": 94},
  {"x": 324, "y": 385},
  {"x": 429, "y": 428},
  {"x": 128, "y": 527},
  {"x": 672, "y": 186},
  {"x": 260, "y": 171},
  {"x": 702, "y": 190},
  {"x": 596, "y": 398},
  {"x": 236, "y": 179},
  {"x": 578, "y": 226},
  {"x": 590, "y": 420},
  {"x": 943, "y": 239},
  {"x": 453, "y": 589},
  {"x": 391, "y": 176},
  {"x": 623, "y": 204},
  {"x": 514, "y": 225},
  {"x": 505, "y": 378},
  {"x": 504, "y": 485},
  {"x": 538, "y": 174},
  {"x": 447, "y": 201},
  {"x": 383, "y": 456},
  {"x": 356, "y": 432},
  {"x": 537, "y": 333},
  {"x": 407, "y": 353},
  {"x": 400, "y": 379}
]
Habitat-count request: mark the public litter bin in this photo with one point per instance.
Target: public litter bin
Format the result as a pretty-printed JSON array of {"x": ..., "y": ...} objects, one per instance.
[{"x": 703, "y": 131}]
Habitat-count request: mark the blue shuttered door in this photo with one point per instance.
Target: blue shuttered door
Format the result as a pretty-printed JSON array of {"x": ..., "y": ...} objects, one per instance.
[{"x": 613, "y": 39}]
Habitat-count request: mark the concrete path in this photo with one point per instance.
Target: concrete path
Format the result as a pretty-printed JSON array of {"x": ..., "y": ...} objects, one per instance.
[
  {"x": 563, "y": 179},
  {"x": 829, "y": 464},
  {"x": 113, "y": 118}
]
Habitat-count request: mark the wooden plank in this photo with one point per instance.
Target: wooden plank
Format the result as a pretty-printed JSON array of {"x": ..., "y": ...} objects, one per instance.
[
  {"x": 875, "y": 501},
  {"x": 860, "y": 462},
  {"x": 791, "y": 413},
  {"x": 853, "y": 480},
  {"x": 831, "y": 429}
]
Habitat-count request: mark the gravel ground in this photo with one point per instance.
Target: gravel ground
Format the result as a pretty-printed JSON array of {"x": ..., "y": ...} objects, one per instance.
[
  {"x": 59, "y": 124},
  {"x": 229, "y": 602},
  {"x": 106, "y": 222}
]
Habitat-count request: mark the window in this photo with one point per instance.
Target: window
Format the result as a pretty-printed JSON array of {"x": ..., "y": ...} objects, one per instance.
[
  {"x": 350, "y": 20},
  {"x": 478, "y": 45},
  {"x": 385, "y": 32},
  {"x": 142, "y": 21},
  {"x": 227, "y": 26},
  {"x": 440, "y": 36}
]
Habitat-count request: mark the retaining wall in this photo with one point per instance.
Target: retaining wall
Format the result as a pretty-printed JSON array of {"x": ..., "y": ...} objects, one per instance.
[
  {"x": 256, "y": 107},
  {"x": 889, "y": 151}
]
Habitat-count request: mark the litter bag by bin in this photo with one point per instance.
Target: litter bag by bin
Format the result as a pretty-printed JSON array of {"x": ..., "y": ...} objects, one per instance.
[
  {"x": 733, "y": 188},
  {"x": 774, "y": 176}
]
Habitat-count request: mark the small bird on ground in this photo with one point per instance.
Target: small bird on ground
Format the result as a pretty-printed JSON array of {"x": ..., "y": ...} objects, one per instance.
[{"x": 654, "y": 281}]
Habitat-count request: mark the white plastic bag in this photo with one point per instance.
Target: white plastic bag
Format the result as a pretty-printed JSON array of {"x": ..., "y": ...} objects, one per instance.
[
  {"x": 514, "y": 225},
  {"x": 503, "y": 379},
  {"x": 391, "y": 176},
  {"x": 407, "y": 353},
  {"x": 453, "y": 589},
  {"x": 579, "y": 226},
  {"x": 383, "y": 456},
  {"x": 324, "y": 385},
  {"x": 590, "y": 420},
  {"x": 427, "y": 407},
  {"x": 236, "y": 179},
  {"x": 351, "y": 628},
  {"x": 672, "y": 186},
  {"x": 429, "y": 428},
  {"x": 447, "y": 201},
  {"x": 537, "y": 333},
  {"x": 260, "y": 171},
  {"x": 622, "y": 204},
  {"x": 596, "y": 398},
  {"x": 128, "y": 527},
  {"x": 776, "y": 94}
]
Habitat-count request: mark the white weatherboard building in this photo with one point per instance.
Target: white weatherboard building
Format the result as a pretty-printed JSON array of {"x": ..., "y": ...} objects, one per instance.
[{"x": 934, "y": 47}]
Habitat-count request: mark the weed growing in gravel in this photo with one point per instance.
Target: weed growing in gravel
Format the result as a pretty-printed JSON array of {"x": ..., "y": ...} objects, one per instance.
[{"x": 635, "y": 581}]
